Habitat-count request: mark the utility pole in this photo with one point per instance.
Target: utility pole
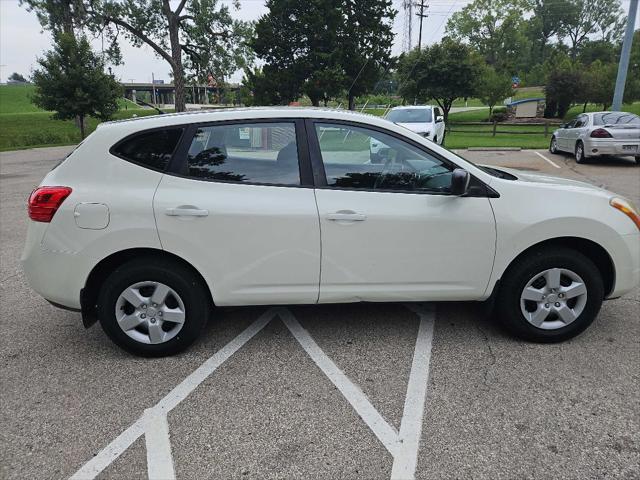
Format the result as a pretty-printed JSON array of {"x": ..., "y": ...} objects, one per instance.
[
  {"x": 422, "y": 16},
  {"x": 623, "y": 66},
  {"x": 407, "y": 6}
]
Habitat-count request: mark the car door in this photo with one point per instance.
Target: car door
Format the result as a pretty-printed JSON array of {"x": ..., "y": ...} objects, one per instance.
[
  {"x": 573, "y": 133},
  {"x": 391, "y": 231},
  {"x": 239, "y": 205},
  {"x": 563, "y": 134}
]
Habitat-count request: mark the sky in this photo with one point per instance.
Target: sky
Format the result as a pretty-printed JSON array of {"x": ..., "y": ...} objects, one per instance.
[{"x": 22, "y": 39}]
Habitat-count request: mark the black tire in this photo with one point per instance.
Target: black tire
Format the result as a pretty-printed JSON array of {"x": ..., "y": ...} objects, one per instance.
[
  {"x": 637, "y": 157},
  {"x": 579, "y": 152},
  {"x": 435, "y": 140},
  {"x": 553, "y": 145},
  {"x": 520, "y": 273},
  {"x": 190, "y": 288}
]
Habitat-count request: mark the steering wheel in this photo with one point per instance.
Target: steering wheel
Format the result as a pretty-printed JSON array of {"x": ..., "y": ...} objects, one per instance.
[{"x": 386, "y": 170}]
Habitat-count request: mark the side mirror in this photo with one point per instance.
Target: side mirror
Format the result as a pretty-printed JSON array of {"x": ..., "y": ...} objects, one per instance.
[
  {"x": 563, "y": 125},
  {"x": 439, "y": 119},
  {"x": 460, "y": 181}
]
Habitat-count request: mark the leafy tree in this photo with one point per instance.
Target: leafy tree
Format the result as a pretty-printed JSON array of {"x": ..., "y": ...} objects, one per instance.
[
  {"x": 548, "y": 20},
  {"x": 365, "y": 41},
  {"x": 493, "y": 27},
  {"x": 597, "y": 84},
  {"x": 196, "y": 35},
  {"x": 493, "y": 87},
  {"x": 71, "y": 82},
  {"x": 443, "y": 72},
  {"x": 592, "y": 17},
  {"x": 563, "y": 86},
  {"x": 323, "y": 47},
  {"x": 258, "y": 88},
  {"x": 16, "y": 77}
]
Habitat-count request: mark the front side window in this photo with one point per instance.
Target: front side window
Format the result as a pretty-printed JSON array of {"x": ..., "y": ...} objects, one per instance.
[
  {"x": 246, "y": 153},
  {"x": 361, "y": 158},
  {"x": 151, "y": 149},
  {"x": 410, "y": 115}
]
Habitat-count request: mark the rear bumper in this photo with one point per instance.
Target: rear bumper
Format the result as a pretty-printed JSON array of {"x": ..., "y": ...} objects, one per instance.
[
  {"x": 56, "y": 276},
  {"x": 606, "y": 146}
]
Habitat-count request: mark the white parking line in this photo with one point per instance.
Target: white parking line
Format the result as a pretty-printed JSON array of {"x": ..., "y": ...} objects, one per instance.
[
  {"x": 159, "y": 458},
  {"x": 547, "y": 160},
  {"x": 405, "y": 461},
  {"x": 403, "y": 446},
  {"x": 358, "y": 400}
]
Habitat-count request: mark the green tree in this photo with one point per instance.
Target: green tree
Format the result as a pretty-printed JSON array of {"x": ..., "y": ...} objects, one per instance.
[
  {"x": 592, "y": 17},
  {"x": 322, "y": 47},
  {"x": 16, "y": 77},
  {"x": 365, "y": 39},
  {"x": 443, "y": 72},
  {"x": 71, "y": 82},
  {"x": 494, "y": 28},
  {"x": 563, "y": 86},
  {"x": 196, "y": 35},
  {"x": 548, "y": 20},
  {"x": 493, "y": 87}
]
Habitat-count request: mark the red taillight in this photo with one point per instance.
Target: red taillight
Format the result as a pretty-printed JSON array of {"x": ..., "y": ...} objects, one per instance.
[
  {"x": 600, "y": 133},
  {"x": 45, "y": 201}
]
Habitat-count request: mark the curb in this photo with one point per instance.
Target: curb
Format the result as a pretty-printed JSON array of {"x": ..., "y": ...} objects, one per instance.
[{"x": 493, "y": 149}]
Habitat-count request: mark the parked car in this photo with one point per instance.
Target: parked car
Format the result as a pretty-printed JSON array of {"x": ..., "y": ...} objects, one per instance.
[
  {"x": 599, "y": 133},
  {"x": 425, "y": 120},
  {"x": 152, "y": 222}
]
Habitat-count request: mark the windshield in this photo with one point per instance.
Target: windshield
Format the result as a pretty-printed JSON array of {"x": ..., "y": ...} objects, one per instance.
[
  {"x": 410, "y": 115},
  {"x": 616, "y": 118}
]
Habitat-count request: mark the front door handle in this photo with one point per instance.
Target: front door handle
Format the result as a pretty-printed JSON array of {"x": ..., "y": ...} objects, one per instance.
[
  {"x": 186, "y": 211},
  {"x": 346, "y": 217}
]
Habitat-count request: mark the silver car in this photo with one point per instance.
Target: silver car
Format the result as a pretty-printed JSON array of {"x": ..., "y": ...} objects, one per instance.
[{"x": 599, "y": 133}]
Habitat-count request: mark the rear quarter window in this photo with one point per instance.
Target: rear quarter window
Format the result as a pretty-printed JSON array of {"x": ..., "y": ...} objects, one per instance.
[{"x": 152, "y": 149}]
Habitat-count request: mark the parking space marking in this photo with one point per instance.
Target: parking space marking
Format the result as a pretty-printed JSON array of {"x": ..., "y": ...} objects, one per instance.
[
  {"x": 405, "y": 461},
  {"x": 547, "y": 160},
  {"x": 403, "y": 446},
  {"x": 159, "y": 458},
  {"x": 111, "y": 452},
  {"x": 352, "y": 393}
]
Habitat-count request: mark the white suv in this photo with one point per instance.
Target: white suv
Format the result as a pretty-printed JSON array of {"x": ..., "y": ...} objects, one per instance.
[{"x": 151, "y": 222}]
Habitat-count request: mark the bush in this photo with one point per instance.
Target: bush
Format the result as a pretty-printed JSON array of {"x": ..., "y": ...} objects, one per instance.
[{"x": 498, "y": 117}]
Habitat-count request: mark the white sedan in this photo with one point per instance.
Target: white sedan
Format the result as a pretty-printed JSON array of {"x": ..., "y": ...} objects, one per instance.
[
  {"x": 152, "y": 222},
  {"x": 599, "y": 133}
]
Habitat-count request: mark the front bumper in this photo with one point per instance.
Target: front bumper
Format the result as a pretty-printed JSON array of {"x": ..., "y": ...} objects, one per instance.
[{"x": 627, "y": 267}]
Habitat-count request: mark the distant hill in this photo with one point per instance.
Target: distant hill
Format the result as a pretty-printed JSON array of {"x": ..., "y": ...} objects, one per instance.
[{"x": 17, "y": 99}]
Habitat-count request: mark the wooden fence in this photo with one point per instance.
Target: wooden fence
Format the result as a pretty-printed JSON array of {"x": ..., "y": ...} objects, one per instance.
[{"x": 495, "y": 125}]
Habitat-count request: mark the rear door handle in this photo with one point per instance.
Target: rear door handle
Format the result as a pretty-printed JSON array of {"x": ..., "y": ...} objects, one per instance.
[
  {"x": 346, "y": 217},
  {"x": 186, "y": 211}
]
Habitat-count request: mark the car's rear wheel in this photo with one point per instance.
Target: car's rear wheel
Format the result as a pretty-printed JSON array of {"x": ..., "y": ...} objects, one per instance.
[
  {"x": 637, "y": 157},
  {"x": 153, "y": 308},
  {"x": 579, "y": 153},
  {"x": 553, "y": 146},
  {"x": 550, "y": 295}
]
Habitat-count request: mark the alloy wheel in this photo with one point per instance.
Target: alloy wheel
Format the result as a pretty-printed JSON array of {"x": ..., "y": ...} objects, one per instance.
[
  {"x": 553, "y": 298},
  {"x": 150, "y": 312}
]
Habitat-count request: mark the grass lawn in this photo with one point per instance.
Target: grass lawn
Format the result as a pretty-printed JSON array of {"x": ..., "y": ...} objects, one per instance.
[{"x": 23, "y": 125}]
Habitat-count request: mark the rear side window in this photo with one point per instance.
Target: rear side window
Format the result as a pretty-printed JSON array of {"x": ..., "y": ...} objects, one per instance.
[
  {"x": 150, "y": 149},
  {"x": 616, "y": 118},
  {"x": 264, "y": 153}
]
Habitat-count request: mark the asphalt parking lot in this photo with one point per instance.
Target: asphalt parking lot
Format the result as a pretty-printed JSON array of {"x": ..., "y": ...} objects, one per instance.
[{"x": 337, "y": 391}]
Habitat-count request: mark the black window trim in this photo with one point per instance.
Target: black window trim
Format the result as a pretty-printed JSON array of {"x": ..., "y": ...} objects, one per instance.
[
  {"x": 131, "y": 136},
  {"x": 480, "y": 189},
  {"x": 178, "y": 163}
]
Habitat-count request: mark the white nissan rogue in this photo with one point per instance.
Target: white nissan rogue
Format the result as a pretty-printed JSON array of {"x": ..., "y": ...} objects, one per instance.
[{"x": 152, "y": 222}]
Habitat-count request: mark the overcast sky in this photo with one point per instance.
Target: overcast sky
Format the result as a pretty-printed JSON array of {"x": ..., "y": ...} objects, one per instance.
[{"x": 22, "y": 38}]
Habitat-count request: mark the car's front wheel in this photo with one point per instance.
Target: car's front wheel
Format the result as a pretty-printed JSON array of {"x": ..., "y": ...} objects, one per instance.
[
  {"x": 637, "y": 157},
  {"x": 550, "y": 295},
  {"x": 153, "y": 307},
  {"x": 579, "y": 153},
  {"x": 553, "y": 146}
]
